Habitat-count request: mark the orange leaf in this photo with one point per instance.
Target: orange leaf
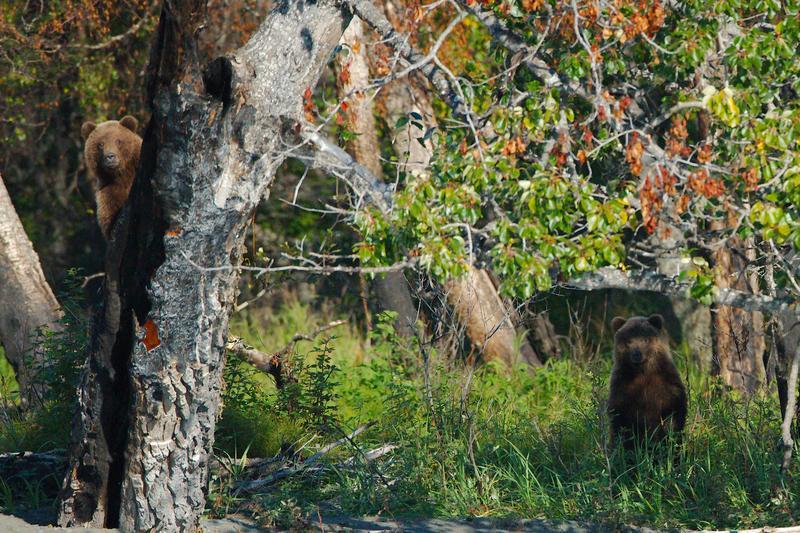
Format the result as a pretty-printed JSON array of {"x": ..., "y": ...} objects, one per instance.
[{"x": 150, "y": 339}]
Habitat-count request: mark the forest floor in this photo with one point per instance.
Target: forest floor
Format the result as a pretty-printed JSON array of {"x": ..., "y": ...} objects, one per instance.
[{"x": 370, "y": 426}]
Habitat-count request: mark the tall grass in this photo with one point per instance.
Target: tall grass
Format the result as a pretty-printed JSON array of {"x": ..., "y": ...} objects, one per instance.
[
  {"x": 470, "y": 442},
  {"x": 522, "y": 444}
]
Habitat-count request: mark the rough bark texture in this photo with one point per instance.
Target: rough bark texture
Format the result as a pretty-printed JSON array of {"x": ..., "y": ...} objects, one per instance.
[
  {"x": 209, "y": 156},
  {"x": 738, "y": 335},
  {"x": 391, "y": 288},
  {"x": 27, "y": 303}
]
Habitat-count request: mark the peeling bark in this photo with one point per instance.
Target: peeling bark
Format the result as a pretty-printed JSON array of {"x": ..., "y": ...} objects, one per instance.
[
  {"x": 34, "y": 305},
  {"x": 209, "y": 156}
]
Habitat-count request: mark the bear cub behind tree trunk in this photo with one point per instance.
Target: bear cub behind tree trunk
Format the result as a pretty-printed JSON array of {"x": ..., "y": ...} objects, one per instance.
[
  {"x": 647, "y": 397},
  {"x": 112, "y": 154}
]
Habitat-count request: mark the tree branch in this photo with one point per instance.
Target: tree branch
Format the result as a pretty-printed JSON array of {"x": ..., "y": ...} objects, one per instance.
[
  {"x": 369, "y": 13},
  {"x": 643, "y": 280},
  {"x": 251, "y": 486},
  {"x": 274, "y": 364},
  {"x": 333, "y": 159},
  {"x": 517, "y": 45}
]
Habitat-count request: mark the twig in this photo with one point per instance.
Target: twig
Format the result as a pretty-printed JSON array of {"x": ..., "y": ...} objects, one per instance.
[
  {"x": 251, "y": 486},
  {"x": 87, "y": 279},
  {"x": 274, "y": 364},
  {"x": 115, "y": 39}
]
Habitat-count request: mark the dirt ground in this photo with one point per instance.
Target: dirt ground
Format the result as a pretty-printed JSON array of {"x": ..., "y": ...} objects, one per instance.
[{"x": 13, "y": 524}]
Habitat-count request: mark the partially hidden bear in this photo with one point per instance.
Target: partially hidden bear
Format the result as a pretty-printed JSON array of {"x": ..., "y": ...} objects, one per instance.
[
  {"x": 112, "y": 154},
  {"x": 647, "y": 396}
]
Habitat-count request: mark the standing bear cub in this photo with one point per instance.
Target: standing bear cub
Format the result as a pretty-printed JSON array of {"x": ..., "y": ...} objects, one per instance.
[
  {"x": 647, "y": 396},
  {"x": 112, "y": 154}
]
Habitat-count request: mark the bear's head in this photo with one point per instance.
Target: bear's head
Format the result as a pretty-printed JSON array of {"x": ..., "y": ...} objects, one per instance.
[
  {"x": 112, "y": 148},
  {"x": 638, "y": 341}
]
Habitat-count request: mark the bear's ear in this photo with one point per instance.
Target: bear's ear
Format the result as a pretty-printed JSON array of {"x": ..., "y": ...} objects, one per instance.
[
  {"x": 87, "y": 129},
  {"x": 657, "y": 321},
  {"x": 617, "y": 322},
  {"x": 130, "y": 122}
]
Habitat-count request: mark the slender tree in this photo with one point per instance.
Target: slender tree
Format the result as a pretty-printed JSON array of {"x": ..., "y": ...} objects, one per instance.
[{"x": 29, "y": 303}]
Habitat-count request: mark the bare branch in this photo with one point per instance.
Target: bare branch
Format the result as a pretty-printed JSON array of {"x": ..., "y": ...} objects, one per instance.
[
  {"x": 275, "y": 364},
  {"x": 314, "y": 269},
  {"x": 331, "y": 158},
  {"x": 115, "y": 39},
  {"x": 369, "y": 13},
  {"x": 644, "y": 280},
  {"x": 677, "y": 108}
]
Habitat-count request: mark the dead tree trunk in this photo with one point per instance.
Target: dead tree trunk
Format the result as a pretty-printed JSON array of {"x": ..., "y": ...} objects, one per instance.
[
  {"x": 28, "y": 301},
  {"x": 353, "y": 76},
  {"x": 209, "y": 156},
  {"x": 738, "y": 335}
]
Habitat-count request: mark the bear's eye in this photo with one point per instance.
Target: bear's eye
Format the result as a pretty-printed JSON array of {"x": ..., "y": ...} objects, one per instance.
[
  {"x": 119, "y": 142},
  {"x": 100, "y": 145}
]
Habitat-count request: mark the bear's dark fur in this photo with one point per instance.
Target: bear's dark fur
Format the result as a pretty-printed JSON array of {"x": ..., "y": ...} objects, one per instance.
[
  {"x": 112, "y": 154},
  {"x": 647, "y": 395}
]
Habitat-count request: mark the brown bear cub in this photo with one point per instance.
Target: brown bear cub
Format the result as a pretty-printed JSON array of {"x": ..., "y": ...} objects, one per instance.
[
  {"x": 647, "y": 396},
  {"x": 112, "y": 154}
]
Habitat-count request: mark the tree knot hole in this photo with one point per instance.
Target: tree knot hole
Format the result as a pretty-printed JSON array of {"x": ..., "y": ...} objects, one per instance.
[{"x": 218, "y": 79}]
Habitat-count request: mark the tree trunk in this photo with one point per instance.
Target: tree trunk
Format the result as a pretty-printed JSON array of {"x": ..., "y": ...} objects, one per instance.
[
  {"x": 28, "y": 302},
  {"x": 545, "y": 342},
  {"x": 738, "y": 335},
  {"x": 785, "y": 337},
  {"x": 353, "y": 76},
  {"x": 490, "y": 325},
  {"x": 209, "y": 156}
]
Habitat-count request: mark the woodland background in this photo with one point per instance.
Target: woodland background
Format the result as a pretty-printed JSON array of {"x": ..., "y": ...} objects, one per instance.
[{"x": 455, "y": 414}]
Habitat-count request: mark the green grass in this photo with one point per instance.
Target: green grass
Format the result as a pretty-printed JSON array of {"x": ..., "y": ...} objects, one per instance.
[
  {"x": 9, "y": 390},
  {"x": 489, "y": 443},
  {"x": 506, "y": 444}
]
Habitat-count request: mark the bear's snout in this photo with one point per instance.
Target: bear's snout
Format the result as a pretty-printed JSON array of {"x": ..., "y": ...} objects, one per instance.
[
  {"x": 636, "y": 356},
  {"x": 110, "y": 160}
]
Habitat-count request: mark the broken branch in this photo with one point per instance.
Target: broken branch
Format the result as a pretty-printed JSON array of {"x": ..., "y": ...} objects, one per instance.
[
  {"x": 256, "y": 484},
  {"x": 274, "y": 364}
]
